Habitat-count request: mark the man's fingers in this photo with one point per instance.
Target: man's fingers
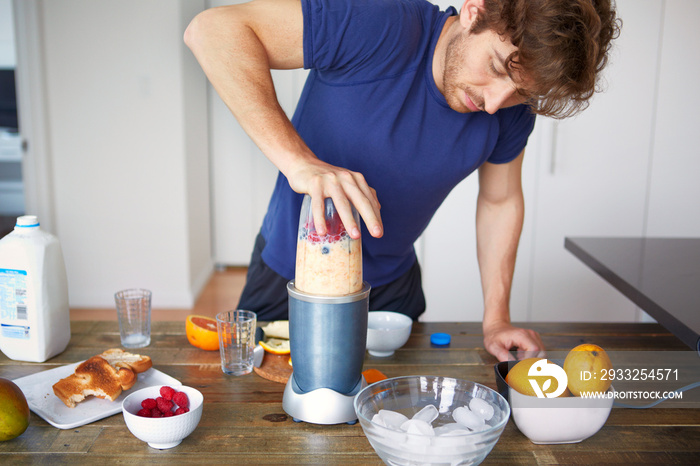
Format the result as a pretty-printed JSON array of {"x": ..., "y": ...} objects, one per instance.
[
  {"x": 526, "y": 354},
  {"x": 318, "y": 210},
  {"x": 502, "y": 354},
  {"x": 530, "y": 345},
  {"x": 344, "y": 209},
  {"x": 525, "y": 342},
  {"x": 346, "y": 188},
  {"x": 364, "y": 198}
]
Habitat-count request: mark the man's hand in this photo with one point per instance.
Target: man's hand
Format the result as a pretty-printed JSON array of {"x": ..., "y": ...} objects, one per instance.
[
  {"x": 500, "y": 337},
  {"x": 322, "y": 180}
]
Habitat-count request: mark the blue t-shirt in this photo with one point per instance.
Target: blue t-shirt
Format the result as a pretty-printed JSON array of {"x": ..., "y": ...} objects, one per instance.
[{"x": 371, "y": 105}]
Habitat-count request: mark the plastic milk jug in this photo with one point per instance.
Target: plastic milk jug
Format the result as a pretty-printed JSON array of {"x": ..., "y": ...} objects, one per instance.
[{"x": 34, "y": 315}]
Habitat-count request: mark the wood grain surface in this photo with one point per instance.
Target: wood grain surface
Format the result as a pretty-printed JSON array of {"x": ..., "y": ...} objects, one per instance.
[
  {"x": 243, "y": 421},
  {"x": 275, "y": 367}
]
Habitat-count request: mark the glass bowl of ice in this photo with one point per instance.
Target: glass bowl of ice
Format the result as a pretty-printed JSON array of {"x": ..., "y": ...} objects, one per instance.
[{"x": 431, "y": 420}]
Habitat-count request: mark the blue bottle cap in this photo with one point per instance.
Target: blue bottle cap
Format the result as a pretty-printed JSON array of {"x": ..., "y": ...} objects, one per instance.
[{"x": 440, "y": 339}]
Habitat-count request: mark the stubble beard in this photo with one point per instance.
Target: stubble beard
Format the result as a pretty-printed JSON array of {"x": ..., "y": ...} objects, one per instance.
[{"x": 453, "y": 90}]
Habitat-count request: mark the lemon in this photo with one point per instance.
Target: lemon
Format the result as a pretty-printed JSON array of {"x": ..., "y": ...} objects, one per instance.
[{"x": 276, "y": 346}]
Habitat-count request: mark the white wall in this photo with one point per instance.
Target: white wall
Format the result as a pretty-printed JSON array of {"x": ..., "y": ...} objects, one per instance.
[
  {"x": 127, "y": 130},
  {"x": 8, "y": 57}
]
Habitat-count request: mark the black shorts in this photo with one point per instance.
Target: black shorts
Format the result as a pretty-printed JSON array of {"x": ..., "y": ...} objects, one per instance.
[{"x": 265, "y": 291}]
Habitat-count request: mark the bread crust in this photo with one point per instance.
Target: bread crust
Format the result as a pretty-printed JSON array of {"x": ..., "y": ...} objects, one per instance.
[
  {"x": 104, "y": 376},
  {"x": 120, "y": 358}
]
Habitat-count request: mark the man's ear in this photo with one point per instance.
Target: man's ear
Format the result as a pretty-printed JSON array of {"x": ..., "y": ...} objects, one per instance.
[{"x": 469, "y": 12}]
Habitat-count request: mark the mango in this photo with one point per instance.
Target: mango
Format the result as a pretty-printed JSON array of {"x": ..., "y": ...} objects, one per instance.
[{"x": 14, "y": 410}]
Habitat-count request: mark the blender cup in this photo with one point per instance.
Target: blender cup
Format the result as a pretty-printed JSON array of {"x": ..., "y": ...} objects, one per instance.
[{"x": 329, "y": 265}]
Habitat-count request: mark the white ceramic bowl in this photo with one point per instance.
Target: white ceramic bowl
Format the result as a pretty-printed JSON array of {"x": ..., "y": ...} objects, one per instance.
[
  {"x": 559, "y": 420},
  {"x": 554, "y": 420},
  {"x": 162, "y": 432},
  {"x": 408, "y": 395},
  {"x": 386, "y": 332}
]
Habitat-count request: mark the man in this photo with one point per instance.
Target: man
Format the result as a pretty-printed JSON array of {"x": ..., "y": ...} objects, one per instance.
[{"x": 402, "y": 102}]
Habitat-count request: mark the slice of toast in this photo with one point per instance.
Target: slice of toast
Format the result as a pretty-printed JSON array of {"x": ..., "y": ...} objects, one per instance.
[
  {"x": 117, "y": 358},
  {"x": 104, "y": 376},
  {"x": 94, "y": 377}
]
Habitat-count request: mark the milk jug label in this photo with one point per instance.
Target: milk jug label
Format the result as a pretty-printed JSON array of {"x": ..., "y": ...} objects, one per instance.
[{"x": 13, "y": 304}]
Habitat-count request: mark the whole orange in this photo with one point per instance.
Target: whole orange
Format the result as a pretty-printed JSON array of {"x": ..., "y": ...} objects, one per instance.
[
  {"x": 518, "y": 379},
  {"x": 585, "y": 367},
  {"x": 201, "y": 332}
]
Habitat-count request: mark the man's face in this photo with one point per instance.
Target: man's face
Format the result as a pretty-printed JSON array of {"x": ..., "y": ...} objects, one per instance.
[{"x": 475, "y": 77}]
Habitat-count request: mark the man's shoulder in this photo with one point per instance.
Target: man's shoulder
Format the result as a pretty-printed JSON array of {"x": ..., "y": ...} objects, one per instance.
[{"x": 382, "y": 37}]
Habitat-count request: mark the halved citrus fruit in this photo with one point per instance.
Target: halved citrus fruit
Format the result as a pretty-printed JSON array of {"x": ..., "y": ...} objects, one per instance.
[
  {"x": 276, "y": 346},
  {"x": 201, "y": 332}
]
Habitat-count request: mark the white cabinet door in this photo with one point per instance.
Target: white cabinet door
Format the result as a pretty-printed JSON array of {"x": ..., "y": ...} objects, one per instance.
[
  {"x": 594, "y": 180},
  {"x": 674, "y": 195}
]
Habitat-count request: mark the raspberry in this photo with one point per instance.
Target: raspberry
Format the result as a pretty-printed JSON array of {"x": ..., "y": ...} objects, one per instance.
[
  {"x": 164, "y": 405},
  {"x": 180, "y": 399},
  {"x": 148, "y": 403},
  {"x": 182, "y": 411},
  {"x": 167, "y": 392},
  {"x": 155, "y": 412},
  {"x": 143, "y": 412},
  {"x": 168, "y": 414}
]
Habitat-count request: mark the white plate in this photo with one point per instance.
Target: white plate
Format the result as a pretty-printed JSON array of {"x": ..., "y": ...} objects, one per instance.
[{"x": 38, "y": 389}]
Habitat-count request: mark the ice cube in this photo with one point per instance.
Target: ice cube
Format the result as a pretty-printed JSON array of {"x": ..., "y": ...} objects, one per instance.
[
  {"x": 453, "y": 428},
  {"x": 481, "y": 408},
  {"x": 454, "y": 445},
  {"x": 427, "y": 414},
  {"x": 389, "y": 436},
  {"x": 468, "y": 419},
  {"x": 379, "y": 420},
  {"x": 456, "y": 432},
  {"x": 418, "y": 427},
  {"x": 416, "y": 446},
  {"x": 389, "y": 419}
]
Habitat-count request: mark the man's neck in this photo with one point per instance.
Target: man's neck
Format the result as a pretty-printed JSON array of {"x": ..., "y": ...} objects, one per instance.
[{"x": 440, "y": 50}]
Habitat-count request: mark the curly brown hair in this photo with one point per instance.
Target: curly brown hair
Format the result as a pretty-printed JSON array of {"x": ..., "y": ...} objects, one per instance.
[{"x": 562, "y": 47}]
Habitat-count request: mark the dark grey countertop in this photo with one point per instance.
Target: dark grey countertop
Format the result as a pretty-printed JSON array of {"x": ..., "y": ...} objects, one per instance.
[{"x": 660, "y": 275}]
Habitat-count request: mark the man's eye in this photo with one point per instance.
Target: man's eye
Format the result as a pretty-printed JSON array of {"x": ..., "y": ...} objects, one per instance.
[{"x": 495, "y": 71}]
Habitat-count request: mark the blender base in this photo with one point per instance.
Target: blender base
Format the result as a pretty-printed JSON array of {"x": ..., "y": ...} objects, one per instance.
[{"x": 322, "y": 405}]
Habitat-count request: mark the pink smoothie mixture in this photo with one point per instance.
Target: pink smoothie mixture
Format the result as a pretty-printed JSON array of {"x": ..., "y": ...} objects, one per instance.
[{"x": 330, "y": 265}]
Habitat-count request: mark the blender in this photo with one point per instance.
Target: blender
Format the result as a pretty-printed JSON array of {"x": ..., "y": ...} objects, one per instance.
[{"x": 328, "y": 307}]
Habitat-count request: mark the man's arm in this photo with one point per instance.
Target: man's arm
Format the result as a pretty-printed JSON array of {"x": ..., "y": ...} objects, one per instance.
[
  {"x": 236, "y": 46},
  {"x": 499, "y": 221}
]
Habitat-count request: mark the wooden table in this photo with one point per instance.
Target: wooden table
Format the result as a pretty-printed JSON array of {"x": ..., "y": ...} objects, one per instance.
[{"x": 243, "y": 421}]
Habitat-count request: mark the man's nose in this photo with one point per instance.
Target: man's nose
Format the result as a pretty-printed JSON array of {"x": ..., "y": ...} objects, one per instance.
[{"x": 497, "y": 95}]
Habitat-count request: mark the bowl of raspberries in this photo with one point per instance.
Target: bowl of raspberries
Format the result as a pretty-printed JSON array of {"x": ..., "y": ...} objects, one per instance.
[{"x": 163, "y": 416}]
